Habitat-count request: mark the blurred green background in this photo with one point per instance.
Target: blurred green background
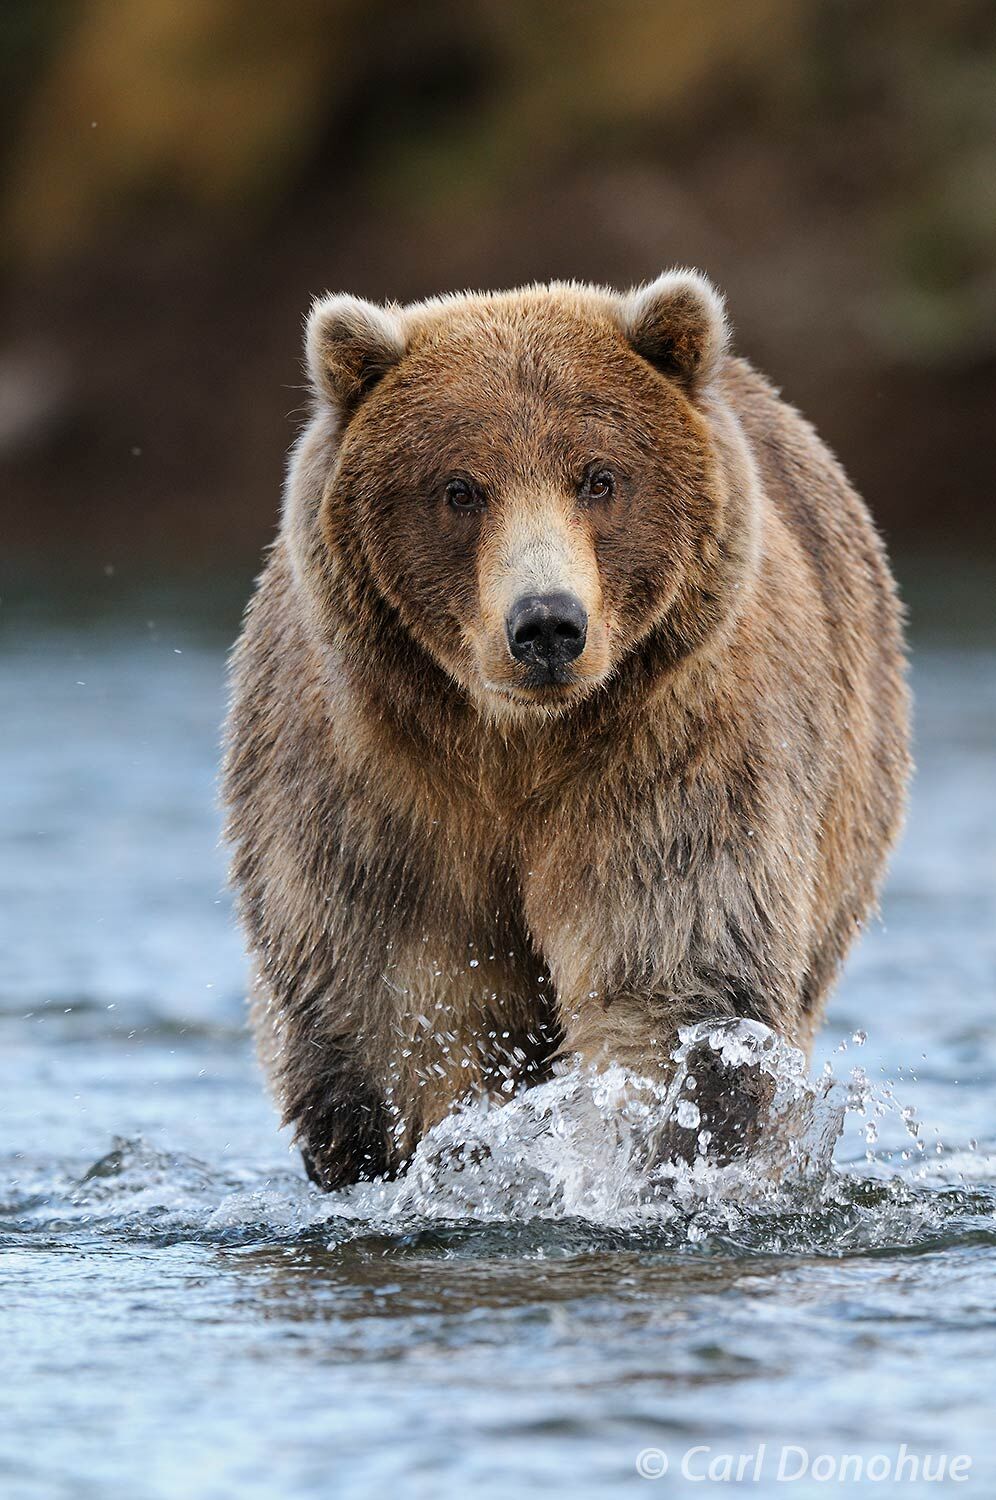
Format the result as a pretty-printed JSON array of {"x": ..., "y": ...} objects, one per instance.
[{"x": 179, "y": 177}]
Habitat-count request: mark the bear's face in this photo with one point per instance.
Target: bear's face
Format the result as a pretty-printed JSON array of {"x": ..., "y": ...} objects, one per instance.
[{"x": 527, "y": 480}]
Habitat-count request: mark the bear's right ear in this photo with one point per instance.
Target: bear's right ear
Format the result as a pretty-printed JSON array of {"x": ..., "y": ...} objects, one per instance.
[{"x": 350, "y": 345}]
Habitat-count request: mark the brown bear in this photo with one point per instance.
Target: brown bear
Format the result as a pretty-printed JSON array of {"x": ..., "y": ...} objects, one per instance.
[{"x": 570, "y": 709}]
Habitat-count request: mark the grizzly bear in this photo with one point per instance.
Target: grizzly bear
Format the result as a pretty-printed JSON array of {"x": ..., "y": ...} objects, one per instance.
[{"x": 570, "y": 709}]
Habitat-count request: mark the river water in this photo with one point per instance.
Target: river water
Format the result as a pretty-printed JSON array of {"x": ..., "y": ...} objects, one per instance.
[{"x": 182, "y": 1316}]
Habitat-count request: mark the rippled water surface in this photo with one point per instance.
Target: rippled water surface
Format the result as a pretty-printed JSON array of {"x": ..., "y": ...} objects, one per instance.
[{"x": 182, "y": 1316}]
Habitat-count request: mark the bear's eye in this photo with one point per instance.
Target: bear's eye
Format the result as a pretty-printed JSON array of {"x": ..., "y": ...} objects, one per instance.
[
  {"x": 462, "y": 495},
  {"x": 598, "y": 485}
]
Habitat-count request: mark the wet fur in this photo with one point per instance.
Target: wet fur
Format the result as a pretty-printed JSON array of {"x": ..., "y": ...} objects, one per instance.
[{"x": 443, "y": 888}]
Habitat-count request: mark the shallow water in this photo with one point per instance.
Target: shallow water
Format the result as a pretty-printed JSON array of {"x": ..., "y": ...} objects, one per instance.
[{"x": 183, "y": 1316}]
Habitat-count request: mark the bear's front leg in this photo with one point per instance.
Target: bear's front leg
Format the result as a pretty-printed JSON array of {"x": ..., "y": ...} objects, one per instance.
[
  {"x": 370, "y": 1059},
  {"x": 660, "y": 945},
  {"x": 664, "y": 902}
]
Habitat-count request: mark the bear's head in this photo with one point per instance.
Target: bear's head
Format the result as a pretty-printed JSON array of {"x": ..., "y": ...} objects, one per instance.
[{"x": 533, "y": 486}]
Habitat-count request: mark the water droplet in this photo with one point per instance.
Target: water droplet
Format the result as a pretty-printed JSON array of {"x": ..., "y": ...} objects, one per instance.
[{"x": 687, "y": 1114}]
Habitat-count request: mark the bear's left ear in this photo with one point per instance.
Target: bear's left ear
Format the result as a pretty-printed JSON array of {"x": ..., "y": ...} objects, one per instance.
[
  {"x": 350, "y": 345},
  {"x": 678, "y": 325}
]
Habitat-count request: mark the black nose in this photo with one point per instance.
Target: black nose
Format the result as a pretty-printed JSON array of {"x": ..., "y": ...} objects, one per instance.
[{"x": 547, "y": 630}]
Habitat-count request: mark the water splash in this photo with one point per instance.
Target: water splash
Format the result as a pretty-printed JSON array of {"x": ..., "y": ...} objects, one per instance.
[
  {"x": 616, "y": 1148},
  {"x": 611, "y": 1151}
]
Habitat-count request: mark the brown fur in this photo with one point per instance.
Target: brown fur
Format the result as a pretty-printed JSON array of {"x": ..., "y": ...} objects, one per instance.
[{"x": 448, "y": 875}]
